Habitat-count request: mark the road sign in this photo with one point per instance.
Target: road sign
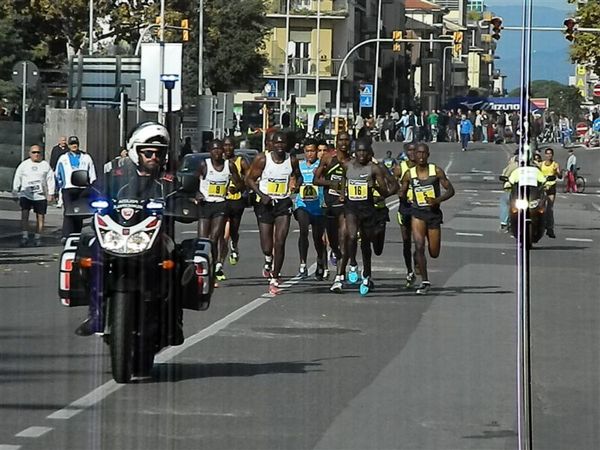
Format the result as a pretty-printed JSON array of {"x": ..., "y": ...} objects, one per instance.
[
  {"x": 32, "y": 73},
  {"x": 582, "y": 128},
  {"x": 366, "y": 96},
  {"x": 271, "y": 88},
  {"x": 597, "y": 90},
  {"x": 366, "y": 101},
  {"x": 596, "y": 125}
]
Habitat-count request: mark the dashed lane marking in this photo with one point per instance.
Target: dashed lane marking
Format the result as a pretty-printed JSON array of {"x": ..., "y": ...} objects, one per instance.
[
  {"x": 9, "y": 447},
  {"x": 465, "y": 177},
  {"x": 488, "y": 178},
  {"x": 497, "y": 192},
  {"x": 470, "y": 190},
  {"x": 101, "y": 392},
  {"x": 34, "y": 432},
  {"x": 579, "y": 240},
  {"x": 459, "y": 233}
]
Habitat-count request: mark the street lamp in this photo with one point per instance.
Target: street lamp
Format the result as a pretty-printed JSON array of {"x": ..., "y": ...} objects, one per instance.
[
  {"x": 91, "y": 28},
  {"x": 169, "y": 81},
  {"x": 376, "y": 81}
]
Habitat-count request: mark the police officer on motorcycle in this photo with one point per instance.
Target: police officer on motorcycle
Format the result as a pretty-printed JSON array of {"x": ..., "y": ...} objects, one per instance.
[{"x": 142, "y": 177}]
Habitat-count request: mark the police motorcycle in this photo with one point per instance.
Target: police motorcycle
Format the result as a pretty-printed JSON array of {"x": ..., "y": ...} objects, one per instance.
[
  {"x": 528, "y": 195},
  {"x": 133, "y": 271}
]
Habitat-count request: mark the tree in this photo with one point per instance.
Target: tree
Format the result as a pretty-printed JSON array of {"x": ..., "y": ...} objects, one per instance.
[
  {"x": 11, "y": 51},
  {"x": 585, "y": 48},
  {"x": 563, "y": 99}
]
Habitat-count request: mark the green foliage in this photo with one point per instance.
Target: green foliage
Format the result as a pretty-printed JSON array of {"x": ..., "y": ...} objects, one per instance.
[
  {"x": 563, "y": 99},
  {"x": 585, "y": 49}
]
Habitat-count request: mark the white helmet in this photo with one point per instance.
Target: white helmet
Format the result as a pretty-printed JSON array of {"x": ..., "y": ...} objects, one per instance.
[{"x": 147, "y": 134}]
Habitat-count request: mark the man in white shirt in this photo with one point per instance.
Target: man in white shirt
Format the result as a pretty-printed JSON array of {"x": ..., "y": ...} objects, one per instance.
[
  {"x": 33, "y": 184},
  {"x": 74, "y": 159}
]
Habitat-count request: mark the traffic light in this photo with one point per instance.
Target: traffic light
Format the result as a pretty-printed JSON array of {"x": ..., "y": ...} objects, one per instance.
[
  {"x": 186, "y": 30},
  {"x": 457, "y": 39},
  {"x": 570, "y": 29},
  {"x": 341, "y": 125},
  {"x": 397, "y": 37},
  {"x": 496, "y": 23}
]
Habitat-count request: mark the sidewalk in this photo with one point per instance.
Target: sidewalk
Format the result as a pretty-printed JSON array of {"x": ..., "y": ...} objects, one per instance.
[{"x": 10, "y": 223}]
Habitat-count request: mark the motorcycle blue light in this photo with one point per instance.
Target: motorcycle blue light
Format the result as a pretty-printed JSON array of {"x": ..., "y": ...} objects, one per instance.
[
  {"x": 99, "y": 204},
  {"x": 155, "y": 205}
]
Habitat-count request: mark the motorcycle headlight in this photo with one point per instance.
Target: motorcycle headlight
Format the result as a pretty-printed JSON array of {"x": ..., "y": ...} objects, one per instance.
[
  {"x": 534, "y": 203},
  {"x": 113, "y": 241},
  {"x": 522, "y": 204},
  {"x": 138, "y": 242}
]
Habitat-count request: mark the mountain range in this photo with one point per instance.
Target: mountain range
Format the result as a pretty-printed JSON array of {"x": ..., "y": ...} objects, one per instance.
[{"x": 550, "y": 50}]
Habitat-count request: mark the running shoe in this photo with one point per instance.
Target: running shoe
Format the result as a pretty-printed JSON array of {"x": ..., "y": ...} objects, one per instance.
[
  {"x": 423, "y": 289},
  {"x": 220, "y": 275},
  {"x": 410, "y": 279},
  {"x": 365, "y": 286},
  {"x": 337, "y": 285},
  {"x": 353, "y": 274},
  {"x": 326, "y": 274},
  {"x": 267, "y": 268},
  {"x": 274, "y": 286},
  {"x": 303, "y": 271},
  {"x": 234, "y": 256},
  {"x": 319, "y": 273}
]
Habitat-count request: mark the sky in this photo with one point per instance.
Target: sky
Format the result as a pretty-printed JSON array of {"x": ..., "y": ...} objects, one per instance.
[{"x": 550, "y": 59}]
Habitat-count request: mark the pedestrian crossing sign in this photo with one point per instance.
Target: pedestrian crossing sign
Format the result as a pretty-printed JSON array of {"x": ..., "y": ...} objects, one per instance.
[{"x": 367, "y": 89}]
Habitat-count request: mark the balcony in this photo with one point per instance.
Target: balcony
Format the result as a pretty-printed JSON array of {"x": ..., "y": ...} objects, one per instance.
[
  {"x": 330, "y": 9},
  {"x": 306, "y": 68}
]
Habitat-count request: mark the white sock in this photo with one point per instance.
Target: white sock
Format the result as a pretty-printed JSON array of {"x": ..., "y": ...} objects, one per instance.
[{"x": 268, "y": 259}]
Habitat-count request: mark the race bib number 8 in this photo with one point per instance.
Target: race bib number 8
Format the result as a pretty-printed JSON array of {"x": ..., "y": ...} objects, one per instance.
[
  {"x": 308, "y": 192},
  {"x": 277, "y": 187},
  {"x": 217, "y": 189},
  {"x": 358, "y": 190},
  {"x": 422, "y": 193}
]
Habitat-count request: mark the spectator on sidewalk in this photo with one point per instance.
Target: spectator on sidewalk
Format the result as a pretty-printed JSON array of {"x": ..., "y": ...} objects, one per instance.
[
  {"x": 75, "y": 159},
  {"x": 57, "y": 151},
  {"x": 466, "y": 129},
  {"x": 33, "y": 184}
]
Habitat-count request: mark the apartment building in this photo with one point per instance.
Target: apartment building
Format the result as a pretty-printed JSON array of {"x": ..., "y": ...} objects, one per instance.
[{"x": 310, "y": 38}]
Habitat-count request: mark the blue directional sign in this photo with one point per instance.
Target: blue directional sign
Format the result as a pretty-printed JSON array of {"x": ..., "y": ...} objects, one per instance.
[
  {"x": 366, "y": 96},
  {"x": 596, "y": 125}
]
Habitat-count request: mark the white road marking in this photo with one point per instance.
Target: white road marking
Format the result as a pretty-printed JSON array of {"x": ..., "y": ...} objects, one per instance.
[
  {"x": 101, "y": 392},
  {"x": 579, "y": 240},
  {"x": 596, "y": 207},
  {"x": 466, "y": 177},
  {"x": 497, "y": 192},
  {"x": 489, "y": 178},
  {"x": 33, "y": 432},
  {"x": 470, "y": 190},
  {"x": 9, "y": 447},
  {"x": 480, "y": 171},
  {"x": 458, "y": 233},
  {"x": 447, "y": 168}
]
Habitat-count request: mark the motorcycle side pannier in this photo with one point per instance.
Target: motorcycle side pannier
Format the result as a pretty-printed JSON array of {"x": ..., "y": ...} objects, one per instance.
[{"x": 195, "y": 278}]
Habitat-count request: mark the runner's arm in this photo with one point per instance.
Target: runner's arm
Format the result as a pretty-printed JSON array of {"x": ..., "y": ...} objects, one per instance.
[
  {"x": 297, "y": 174},
  {"x": 448, "y": 188},
  {"x": 386, "y": 185},
  {"x": 235, "y": 177},
  {"x": 255, "y": 170},
  {"x": 319, "y": 179}
]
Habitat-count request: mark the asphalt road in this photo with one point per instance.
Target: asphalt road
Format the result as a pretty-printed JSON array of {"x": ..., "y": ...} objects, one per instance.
[{"x": 313, "y": 370}]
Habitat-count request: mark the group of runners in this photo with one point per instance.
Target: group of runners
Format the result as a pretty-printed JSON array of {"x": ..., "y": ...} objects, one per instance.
[{"x": 339, "y": 194}]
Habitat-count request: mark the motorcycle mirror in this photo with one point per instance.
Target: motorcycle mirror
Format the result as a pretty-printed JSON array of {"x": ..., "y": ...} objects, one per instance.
[
  {"x": 503, "y": 178},
  {"x": 80, "y": 178},
  {"x": 190, "y": 183}
]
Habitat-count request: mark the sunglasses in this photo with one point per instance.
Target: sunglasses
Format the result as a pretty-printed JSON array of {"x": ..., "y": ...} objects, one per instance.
[
  {"x": 150, "y": 153},
  {"x": 35, "y": 153}
]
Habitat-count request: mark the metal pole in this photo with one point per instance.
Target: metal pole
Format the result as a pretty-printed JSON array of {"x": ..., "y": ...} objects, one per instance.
[
  {"x": 91, "y": 29},
  {"x": 376, "y": 81},
  {"x": 161, "y": 106},
  {"x": 318, "y": 53},
  {"x": 286, "y": 69},
  {"x": 23, "y": 106},
  {"x": 338, "y": 94},
  {"x": 200, "y": 47},
  {"x": 444, "y": 90}
]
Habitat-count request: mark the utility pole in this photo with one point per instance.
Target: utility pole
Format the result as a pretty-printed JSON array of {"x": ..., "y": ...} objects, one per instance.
[
  {"x": 286, "y": 70},
  {"x": 376, "y": 81},
  {"x": 91, "y": 29},
  {"x": 200, "y": 47},
  {"x": 161, "y": 106}
]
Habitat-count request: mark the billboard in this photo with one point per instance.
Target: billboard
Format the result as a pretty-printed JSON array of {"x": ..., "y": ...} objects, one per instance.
[{"x": 150, "y": 71}]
